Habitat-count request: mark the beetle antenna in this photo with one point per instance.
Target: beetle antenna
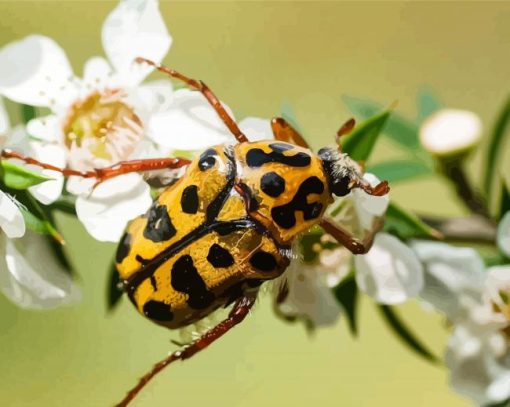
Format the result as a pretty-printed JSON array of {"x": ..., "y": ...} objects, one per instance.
[{"x": 345, "y": 129}]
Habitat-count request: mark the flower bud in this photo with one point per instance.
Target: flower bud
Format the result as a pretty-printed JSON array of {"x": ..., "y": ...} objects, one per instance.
[{"x": 450, "y": 132}]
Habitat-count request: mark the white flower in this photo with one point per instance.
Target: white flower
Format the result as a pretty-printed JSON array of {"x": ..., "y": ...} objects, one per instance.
[
  {"x": 450, "y": 131},
  {"x": 475, "y": 301},
  {"x": 97, "y": 120},
  {"x": 453, "y": 276},
  {"x": 11, "y": 219},
  {"x": 503, "y": 237},
  {"x": 390, "y": 272},
  {"x": 30, "y": 276}
]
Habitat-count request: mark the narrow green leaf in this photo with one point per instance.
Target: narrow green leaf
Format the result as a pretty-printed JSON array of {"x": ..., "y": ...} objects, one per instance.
[
  {"x": 496, "y": 139},
  {"x": 403, "y": 332},
  {"x": 114, "y": 293},
  {"x": 347, "y": 295},
  {"x": 55, "y": 239},
  {"x": 406, "y": 225},
  {"x": 18, "y": 177},
  {"x": 398, "y": 129},
  {"x": 36, "y": 218},
  {"x": 504, "y": 204},
  {"x": 427, "y": 104},
  {"x": 35, "y": 223},
  {"x": 361, "y": 141},
  {"x": 400, "y": 170},
  {"x": 27, "y": 113},
  {"x": 64, "y": 205},
  {"x": 505, "y": 403}
]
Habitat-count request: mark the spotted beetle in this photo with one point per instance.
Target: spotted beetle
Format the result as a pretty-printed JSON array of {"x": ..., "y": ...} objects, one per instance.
[{"x": 227, "y": 225}]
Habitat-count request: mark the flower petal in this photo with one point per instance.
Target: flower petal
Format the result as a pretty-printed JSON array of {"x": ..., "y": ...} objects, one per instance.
[
  {"x": 97, "y": 74},
  {"x": 44, "y": 128},
  {"x": 390, "y": 272},
  {"x": 155, "y": 96},
  {"x": 475, "y": 371},
  {"x": 454, "y": 276},
  {"x": 108, "y": 209},
  {"x": 31, "y": 277},
  {"x": 503, "y": 238},
  {"x": 190, "y": 124},
  {"x": 368, "y": 207},
  {"x": 133, "y": 29},
  {"x": 49, "y": 191},
  {"x": 4, "y": 121},
  {"x": 309, "y": 297},
  {"x": 11, "y": 219},
  {"x": 36, "y": 71},
  {"x": 256, "y": 129}
]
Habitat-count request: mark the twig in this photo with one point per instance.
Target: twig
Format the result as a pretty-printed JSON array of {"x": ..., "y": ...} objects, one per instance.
[{"x": 474, "y": 229}]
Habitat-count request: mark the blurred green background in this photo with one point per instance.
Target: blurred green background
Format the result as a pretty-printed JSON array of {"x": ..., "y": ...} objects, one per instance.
[{"x": 256, "y": 56}]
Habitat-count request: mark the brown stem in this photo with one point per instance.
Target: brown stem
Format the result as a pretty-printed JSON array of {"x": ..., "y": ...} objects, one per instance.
[
  {"x": 473, "y": 229},
  {"x": 471, "y": 198}
]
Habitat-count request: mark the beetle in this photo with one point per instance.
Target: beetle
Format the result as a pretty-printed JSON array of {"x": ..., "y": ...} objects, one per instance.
[{"x": 227, "y": 224}]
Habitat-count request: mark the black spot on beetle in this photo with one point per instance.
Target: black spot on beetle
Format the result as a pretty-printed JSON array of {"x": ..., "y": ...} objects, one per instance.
[
  {"x": 189, "y": 199},
  {"x": 257, "y": 157},
  {"x": 158, "y": 311},
  {"x": 285, "y": 215},
  {"x": 219, "y": 257},
  {"x": 272, "y": 184},
  {"x": 159, "y": 226},
  {"x": 124, "y": 248},
  {"x": 263, "y": 261},
  {"x": 207, "y": 159},
  {"x": 186, "y": 279},
  {"x": 154, "y": 283}
]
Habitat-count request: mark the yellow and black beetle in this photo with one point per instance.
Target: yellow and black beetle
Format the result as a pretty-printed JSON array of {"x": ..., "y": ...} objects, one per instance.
[{"x": 226, "y": 226}]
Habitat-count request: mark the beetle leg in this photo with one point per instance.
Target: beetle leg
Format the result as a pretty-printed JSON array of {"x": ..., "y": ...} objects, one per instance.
[
  {"x": 240, "y": 310},
  {"x": 209, "y": 95},
  {"x": 283, "y": 131},
  {"x": 102, "y": 174},
  {"x": 353, "y": 244}
]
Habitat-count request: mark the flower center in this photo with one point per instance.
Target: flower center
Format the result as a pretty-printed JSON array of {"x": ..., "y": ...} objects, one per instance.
[
  {"x": 103, "y": 125},
  {"x": 503, "y": 306}
]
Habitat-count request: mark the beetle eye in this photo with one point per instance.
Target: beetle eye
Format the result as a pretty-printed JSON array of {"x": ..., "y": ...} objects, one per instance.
[
  {"x": 207, "y": 159},
  {"x": 340, "y": 187}
]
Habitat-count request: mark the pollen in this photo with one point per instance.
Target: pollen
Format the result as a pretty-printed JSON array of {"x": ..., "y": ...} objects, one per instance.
[{"x": 103, "y": 124}]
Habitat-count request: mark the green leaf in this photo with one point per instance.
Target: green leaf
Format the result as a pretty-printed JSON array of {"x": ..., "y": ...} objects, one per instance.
[
  {"x": 398, "y": 129},
  {"x": 347, "y": 295},
  {"x": 18, "y": 177},
  {"x": 361, "y": 141},
  {"x": 427, "y": 104},
  {"x": 65, "y": 205},
  {"x": 505, "y": 403},
  {"x": 27, "y": 113},
  {"x": 406, "y": 225},
  {"x": 504, "y": 205},
  {"x": 400, "y": 170},
  {"x": 496, "y": 138},
  {"x": 114, "y": 293},
  {"x": 36, "y": 219},
  {"x": 403, "y": 332},
  {"x": 307, "y": 242}
]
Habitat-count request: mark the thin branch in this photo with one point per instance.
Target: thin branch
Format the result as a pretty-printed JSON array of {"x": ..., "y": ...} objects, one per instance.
[{"x": 474, "y": 229}]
